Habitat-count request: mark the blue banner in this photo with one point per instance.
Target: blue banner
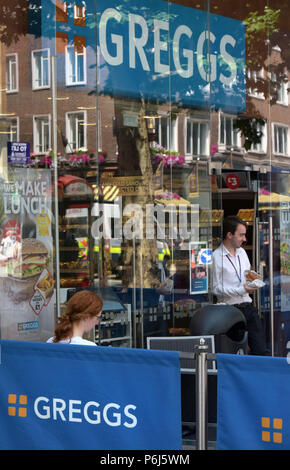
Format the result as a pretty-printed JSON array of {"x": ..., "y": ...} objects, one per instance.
[
  {"x": 253, "y": 401},
  {"x": 62, "y": 397},
  {"x": 156, "y": 49}
]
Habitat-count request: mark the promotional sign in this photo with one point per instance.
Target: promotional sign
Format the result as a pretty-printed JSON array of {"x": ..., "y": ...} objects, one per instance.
[
  {"x": 253, "y": 409},
  {"x": 232, "y": 181},
  {"x": 26, "y": 255},
  {"x": 200, "y": 258},
  {"x": 126, "y": 398},
  {"x": 284, "y": 256},
  {"x": 18, "y": 153},
  {"x": 157, "y": 50}
]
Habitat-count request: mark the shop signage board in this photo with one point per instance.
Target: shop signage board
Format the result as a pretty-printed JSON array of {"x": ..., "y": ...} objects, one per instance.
[
  {"x": 18, "y": 153},
  {"x": 44, "y": 406},
  {"x": 157, "y": 50},
  {"x": 127, "y": 185},
  {"x": 26, "y": 255}
]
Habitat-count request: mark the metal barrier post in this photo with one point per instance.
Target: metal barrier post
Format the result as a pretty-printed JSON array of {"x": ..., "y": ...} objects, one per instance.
[{"x": 201, "y": 395}]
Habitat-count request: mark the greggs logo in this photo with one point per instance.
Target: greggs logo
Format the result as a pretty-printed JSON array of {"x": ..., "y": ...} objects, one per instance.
[
  {"x": 272, "y": 430},
  {"x": 17, "y": 405},
  {"x": 76, "y": 411}
]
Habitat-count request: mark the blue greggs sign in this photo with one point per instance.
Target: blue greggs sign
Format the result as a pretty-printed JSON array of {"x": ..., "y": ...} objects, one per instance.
[
  {"x": 168, "y": 52},
  {"x": 61, "y": 397},
  {"x": 162, "y": 52}
]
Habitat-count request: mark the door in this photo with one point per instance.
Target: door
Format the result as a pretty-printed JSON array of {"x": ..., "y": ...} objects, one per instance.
[{"x": 273, "y": 239}]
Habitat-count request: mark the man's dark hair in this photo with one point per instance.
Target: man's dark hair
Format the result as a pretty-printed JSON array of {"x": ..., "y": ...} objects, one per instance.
[{"x": 230, "y": 224}]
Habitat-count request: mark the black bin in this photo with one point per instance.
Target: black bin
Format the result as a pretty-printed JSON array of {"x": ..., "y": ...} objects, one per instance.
[{"x": 226, "y": 323}]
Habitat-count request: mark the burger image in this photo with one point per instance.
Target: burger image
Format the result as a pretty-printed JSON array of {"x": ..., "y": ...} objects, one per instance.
[
  {"x": 24, "y": 270},
  {"x": 32, "y": 259}
]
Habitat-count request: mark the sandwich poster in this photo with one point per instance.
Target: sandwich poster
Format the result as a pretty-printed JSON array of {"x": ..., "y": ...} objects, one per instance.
[{"x": 26, "y": 255}]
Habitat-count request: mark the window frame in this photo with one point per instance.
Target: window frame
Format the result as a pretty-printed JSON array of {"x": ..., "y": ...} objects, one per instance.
[
  {"x": 171, "y": 132},
  {"x": 36, "y": 144},
  {"x": 224, "y": 145},
  {"x": 16, "y": 126},
  {"x": 70, "y": 147},
  {"x": 262, "y": 147},
  {"x": 77, "y": 82},
  {"x": 254, "y": 74},
  {"x": 34, "y": 79},
  {"x": 192, "y": 120},
  {"x": 279, "y": 125},
  {"x": 282, "y": 91},
  {"x": 8, "y": 71},
  {"x": 80, "y": 19}
]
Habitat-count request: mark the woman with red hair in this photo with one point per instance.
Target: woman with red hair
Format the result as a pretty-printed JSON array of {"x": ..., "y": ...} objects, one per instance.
[{"x": 83, "y": 312}]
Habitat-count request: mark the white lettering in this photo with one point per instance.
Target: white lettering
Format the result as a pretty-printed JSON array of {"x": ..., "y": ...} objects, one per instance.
[
  {"x": 88, "y": 405},
  {"x": 188, "y": 72},
  {"x": 45, "y": 409},
  {"x": 137, "y": 43},
  {"x": 227, "y": 39},
  {"x": 70, "y": 410},
  {"x": 59, "y": 406},
  {"x": 129, "y": 415},
  {"x": 117, "y": 422},
  {"x": 21, "y": 205},
  {"x": 208, "y": 73},
  {"x": 133, "y": 228},
  {"x": 73, "y": 411},
  {"x": 160, "y": 46},
  {"x": 182, "y": 58},
  {"x": 108, "y": 14}
]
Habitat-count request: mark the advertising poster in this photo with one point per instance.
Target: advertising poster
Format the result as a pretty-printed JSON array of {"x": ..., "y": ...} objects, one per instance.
[
  {"x": 26, "y": 255},
  {"x": 200, "y": 257},
  {"x": 285, "y": 256}
]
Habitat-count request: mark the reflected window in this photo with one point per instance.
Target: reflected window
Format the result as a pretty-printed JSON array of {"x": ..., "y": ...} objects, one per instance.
[
  {"x": 79, "y": 15},
  {"x": 253, "y": 78},
  {"x": 281, "y": 88},
  {"x": 41, "y": 134},
  {"x": 197, "y": 137},
  {"x": 76, "y": 131},
  {"x": 261, "y": 146},
  {"x": 280, "y": 139},
  {"x": 60, "y": 11},
  {"x": 75, "y": 65},
  {"x": 229, "y": 135},
  {"x": 40, "y": 69},
  {"x": 13, "y": 130},
  {"x": 11, "y": 73},
  {"x": 166, "y": 132}
]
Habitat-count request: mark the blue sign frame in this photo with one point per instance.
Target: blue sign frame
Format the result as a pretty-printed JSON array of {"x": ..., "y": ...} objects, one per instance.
[{"x": 158, "y": 51}]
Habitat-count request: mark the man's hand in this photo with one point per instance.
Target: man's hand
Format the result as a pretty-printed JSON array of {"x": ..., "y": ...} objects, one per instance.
[{"x": 249, "y": 289}]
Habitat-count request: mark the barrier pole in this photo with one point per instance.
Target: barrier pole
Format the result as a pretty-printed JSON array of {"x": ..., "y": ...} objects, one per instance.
[{"x": 201, "y": 395}]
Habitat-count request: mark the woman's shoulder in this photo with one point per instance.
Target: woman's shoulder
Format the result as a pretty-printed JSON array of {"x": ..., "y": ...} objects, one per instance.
[
  {"x": 80, "y": 340},
  {"x": 73, "y": 340}
]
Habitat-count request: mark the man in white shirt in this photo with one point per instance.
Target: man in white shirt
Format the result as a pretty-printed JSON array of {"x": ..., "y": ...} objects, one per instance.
[{"x": 230, "y": 261}]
